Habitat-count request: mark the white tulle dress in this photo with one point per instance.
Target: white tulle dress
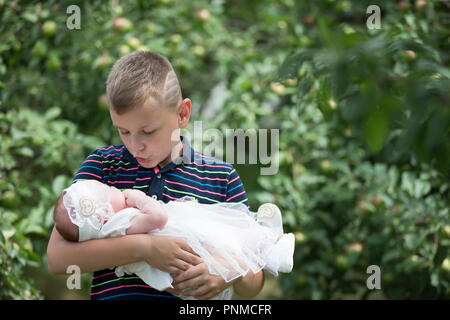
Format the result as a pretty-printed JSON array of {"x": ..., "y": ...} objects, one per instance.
[{"x": 230, "y": 239}]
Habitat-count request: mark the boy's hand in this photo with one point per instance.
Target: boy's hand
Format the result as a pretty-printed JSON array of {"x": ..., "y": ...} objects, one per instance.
[
  {"x": 200, "y": 283},
  {"x": 170, "y": 254}
]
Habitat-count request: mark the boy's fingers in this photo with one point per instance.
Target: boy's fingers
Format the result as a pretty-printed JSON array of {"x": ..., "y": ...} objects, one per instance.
[
  {"x": 191, "y": 259},
  {"x": 181, "y": 266},
  {"x": 186, "y": 247},
  {"x": 189, "y": 255},
  {"x": 200, "y": 293},
  {"x": 189, "y": 275}
]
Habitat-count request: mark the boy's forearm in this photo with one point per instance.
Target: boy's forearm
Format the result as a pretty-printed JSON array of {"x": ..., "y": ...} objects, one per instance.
[
  {"x": 250, "y": 285},
  {"x": 92, "y": 255}
]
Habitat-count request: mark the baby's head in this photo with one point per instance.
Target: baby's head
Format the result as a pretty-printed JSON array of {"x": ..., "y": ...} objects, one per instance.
[
  {"x": 65, "y": 227},
  {"x": 87, "y": 198},
  {"x": 146, "y": 106}
]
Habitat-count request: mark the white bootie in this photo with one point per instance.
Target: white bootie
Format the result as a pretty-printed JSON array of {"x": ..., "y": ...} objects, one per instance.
[
  {"x": 270, "y": 216},
  {"x": 284, "y": 249},
  {"x": 282, "y": 254}
]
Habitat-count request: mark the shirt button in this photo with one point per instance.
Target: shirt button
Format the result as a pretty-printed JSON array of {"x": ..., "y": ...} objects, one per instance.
[
  {"x": 158, "y": 175},
  {"x": 154, "y": 197}
]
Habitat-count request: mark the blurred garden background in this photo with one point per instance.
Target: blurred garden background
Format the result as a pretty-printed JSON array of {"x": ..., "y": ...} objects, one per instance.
[{"x": 363, "y": 117}]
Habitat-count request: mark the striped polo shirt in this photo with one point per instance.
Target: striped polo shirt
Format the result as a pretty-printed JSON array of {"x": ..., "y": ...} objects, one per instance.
[{"x": 192, "y": 174}]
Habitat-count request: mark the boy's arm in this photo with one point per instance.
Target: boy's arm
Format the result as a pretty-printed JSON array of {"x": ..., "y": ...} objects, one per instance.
[
  {"x": 165, "y": 253},
  {"x": 250, "y": 285},
  {"x": 168, "y": 254},
  {"x": 107, "y": 252}
]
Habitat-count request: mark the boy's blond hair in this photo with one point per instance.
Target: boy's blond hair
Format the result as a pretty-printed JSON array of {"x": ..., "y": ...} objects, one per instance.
[{"x": 138, "y": 75}]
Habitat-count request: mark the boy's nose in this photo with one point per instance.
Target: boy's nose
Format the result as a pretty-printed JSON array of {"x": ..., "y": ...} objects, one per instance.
[{"x": 138, "y": 145}]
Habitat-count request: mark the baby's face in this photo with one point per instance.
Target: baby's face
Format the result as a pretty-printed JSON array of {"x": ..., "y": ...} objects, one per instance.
[{"x": 150, "y": 131}]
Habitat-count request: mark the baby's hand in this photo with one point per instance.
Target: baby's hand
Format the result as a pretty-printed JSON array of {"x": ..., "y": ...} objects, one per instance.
[
  {"x": 134, "y": 198},
  {"x": 131, "y": 192}
]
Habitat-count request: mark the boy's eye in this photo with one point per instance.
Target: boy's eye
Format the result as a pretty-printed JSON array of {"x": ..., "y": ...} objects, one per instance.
[
  {"x": 123, "y": 132},
  {"x": 148, "y": 133}
]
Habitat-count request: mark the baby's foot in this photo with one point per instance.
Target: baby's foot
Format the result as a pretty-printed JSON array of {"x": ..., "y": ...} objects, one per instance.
[
  {"x": 285, "y": 251},
  {"x": 270, "y": 216}
]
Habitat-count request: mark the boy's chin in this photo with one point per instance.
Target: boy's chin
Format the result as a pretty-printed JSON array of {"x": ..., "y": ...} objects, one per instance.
[
  {"x": 147, "y": 163},
  {"x": 153, "y": 163}
]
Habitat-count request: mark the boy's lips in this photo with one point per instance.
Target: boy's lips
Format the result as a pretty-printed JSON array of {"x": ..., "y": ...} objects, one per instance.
[{"x": 141, "y": 159}]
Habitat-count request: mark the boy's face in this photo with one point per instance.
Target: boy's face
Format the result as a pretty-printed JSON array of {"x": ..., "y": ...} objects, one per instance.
[{"x": 150, "y": 131}]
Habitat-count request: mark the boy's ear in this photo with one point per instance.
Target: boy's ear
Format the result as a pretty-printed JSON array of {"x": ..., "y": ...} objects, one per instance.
[{"x": 184, "y": 112}]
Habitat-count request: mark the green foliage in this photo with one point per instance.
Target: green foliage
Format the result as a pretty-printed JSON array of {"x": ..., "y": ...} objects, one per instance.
[
  {"x": 363, "y": 118},
  {"x": 38, "y": 155},
  {"x": 365, "y": 172}
]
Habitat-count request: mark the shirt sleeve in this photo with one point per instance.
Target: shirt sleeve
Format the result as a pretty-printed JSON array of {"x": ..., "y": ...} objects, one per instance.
[
  {"x": 91, "y": 169},
  {"x": 235, "y": 189}
]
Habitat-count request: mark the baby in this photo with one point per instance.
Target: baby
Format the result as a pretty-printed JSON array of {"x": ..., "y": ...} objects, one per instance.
[
  {"x": 91, "y": 204},
  {"x": 230, "y": 239}
]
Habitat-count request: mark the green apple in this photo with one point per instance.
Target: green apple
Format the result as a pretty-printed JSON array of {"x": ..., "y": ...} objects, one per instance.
[
  {"x": 10, "y": 199},
  {"x": 151, "y": 27},
  {"x": 53, "y": 62},
  {"x": 134, "y": 43},
  {"x": 198, "y": 50},
  {"x": 325, "y": 165},
  {"x": 355, "y": 247},
  {"x": 118, "y": 10},
  {"x": 420, "y": 4},
  {"x": 277, "y": 87},
  {"x": 49, "y": 28},
  {"x": 446, "y": 265},
  {"x": 103, "y": 101},
  {"x": 348, "y": 132},
  {"x": 203, "y": 14},
  {"x": 341, "y": 262},
  {"x": 332, "y": 104},
  {"x": 122, "y": 24},
  {"x": 176, "y": 38},
  {"x": 304, "y": 40},
  {"x": 104, "y": 61},
  {"x": 40, "y": 49},
  {"x": 409, "y": 55},
  {"x": 124, "y": 50},
  {"x": 292, "y": 82},
  {"x": 299, "y": 237},
  {"x": 446, "y": 230}
]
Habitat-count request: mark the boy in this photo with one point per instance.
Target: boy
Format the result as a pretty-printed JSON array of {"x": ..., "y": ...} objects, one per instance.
[{"x": 148, "y": 110}]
